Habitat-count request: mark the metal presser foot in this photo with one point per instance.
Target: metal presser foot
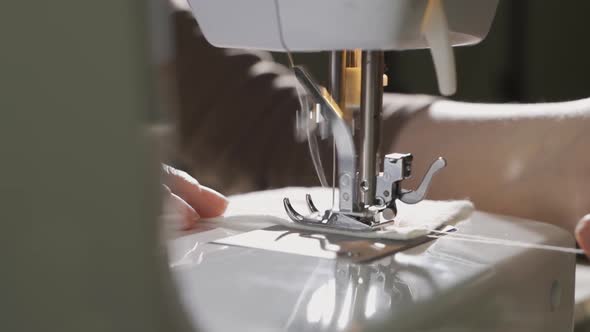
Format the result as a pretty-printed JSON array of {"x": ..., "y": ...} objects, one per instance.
[
  {"x": 397, "y": 167},
  {"x": 329, "y": 218},
  {"x": 379, "y": 191}
]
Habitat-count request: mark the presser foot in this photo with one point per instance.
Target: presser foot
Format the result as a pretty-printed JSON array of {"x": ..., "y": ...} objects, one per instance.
[
  {"x": 357, "y": 222},
  {"x": 396, "y": 168}
]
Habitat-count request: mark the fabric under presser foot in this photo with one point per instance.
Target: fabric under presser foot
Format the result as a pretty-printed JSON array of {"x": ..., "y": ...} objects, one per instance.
[{"x": 412, "y": 221}]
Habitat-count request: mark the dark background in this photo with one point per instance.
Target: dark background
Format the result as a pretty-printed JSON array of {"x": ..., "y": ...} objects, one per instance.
[{"x": 536, "y": 51}]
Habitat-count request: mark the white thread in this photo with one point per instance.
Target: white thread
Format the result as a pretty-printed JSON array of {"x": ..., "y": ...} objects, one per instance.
[
  {"x": 313, "y": 150},
  {"x": 281, "y": 37},
  {"x": 504, "y": 242}
]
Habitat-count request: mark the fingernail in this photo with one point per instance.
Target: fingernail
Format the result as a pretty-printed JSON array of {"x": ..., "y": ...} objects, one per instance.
[
  {"x": 224, "y": 206},
  {"x": 220, "y": 195},
  {"x": 225, "y": 201}
]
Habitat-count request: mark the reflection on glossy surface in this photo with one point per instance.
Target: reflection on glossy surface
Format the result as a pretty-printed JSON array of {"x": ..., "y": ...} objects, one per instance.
[
  {"x": 344, "y": 317},
  {"x": 334, "y": 295},
  {"x": 189, "y": 258},
  {"x": 191, "y": 250},
  {"x": 337, "y": 295},
  {"x": 441, "y": 284},
  {"x": 357, "y": 293},
  {"x": 320, "y": 308}
]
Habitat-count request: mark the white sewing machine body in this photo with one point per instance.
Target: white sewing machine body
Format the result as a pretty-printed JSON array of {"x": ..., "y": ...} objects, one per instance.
[
  {"x": 311, "y": 25},
  {"x": 329, "y": 25},
  {"x": 444, "y": 284}
]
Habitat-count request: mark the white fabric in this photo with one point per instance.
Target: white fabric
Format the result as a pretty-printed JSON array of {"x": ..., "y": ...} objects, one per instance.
[{"x": 412, "y": 220}]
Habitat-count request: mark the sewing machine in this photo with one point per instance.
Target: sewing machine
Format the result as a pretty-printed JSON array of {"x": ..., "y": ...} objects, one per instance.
[
  {"x": 416, "y": 286},
  {"x": 80, "y": 237}
]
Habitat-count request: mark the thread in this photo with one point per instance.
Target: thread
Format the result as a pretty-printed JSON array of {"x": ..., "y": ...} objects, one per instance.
[
  {"x": 311, "y": 141},
  {"x": 503, "y": 242}
]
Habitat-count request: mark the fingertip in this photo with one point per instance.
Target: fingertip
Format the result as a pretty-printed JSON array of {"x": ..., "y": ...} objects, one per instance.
[
  {"x": 583, "y": 223},
  {"x": 212, "y": 203},
  {"x": 180, "y": 181},
  {"x": 208, "y": 202},
  {"x": 188, "y": 215},
  {"x": 582, "y": 234}
]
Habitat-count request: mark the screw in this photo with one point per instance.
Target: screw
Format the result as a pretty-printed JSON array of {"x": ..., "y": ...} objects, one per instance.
[{"x": 365, "y": 186}]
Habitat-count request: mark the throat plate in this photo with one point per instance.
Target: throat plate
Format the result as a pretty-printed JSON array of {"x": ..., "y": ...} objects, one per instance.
[{"x": 317, "y": 244}]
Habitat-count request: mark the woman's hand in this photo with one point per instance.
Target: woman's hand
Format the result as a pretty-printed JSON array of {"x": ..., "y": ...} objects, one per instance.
[{"x": 193, "y": 200}]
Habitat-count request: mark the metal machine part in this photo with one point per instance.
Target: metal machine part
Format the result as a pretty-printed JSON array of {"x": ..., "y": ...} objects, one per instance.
[
  {"x": 325, "y": 245},
  {"x": 370, "y": 114},
  {"x": 366, "y": 196}
]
